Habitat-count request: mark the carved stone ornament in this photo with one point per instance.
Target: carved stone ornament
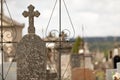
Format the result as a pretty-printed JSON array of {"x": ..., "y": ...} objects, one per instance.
[{"x": 31, "y": 14}]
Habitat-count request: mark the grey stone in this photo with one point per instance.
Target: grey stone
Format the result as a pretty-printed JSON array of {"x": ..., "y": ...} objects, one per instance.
[
  {"x": 118, "y": 67},
  {"x": 31, "y": 58},
  {"x": 75, "y": 60},
  {"x": 110, "y": 73}
]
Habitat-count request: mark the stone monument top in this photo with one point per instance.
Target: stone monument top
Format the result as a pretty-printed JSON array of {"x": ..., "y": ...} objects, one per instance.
[{"x": 30, "y": 14}]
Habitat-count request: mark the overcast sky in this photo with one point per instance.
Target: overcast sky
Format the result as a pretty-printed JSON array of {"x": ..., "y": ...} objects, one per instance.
[{"x": 99, "y": 17}]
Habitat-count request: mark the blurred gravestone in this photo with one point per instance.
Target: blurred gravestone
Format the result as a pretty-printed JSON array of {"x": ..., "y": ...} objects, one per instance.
[
  {"x": 75, "y": 60},
  {"x": 118, "y": 67},
  {"x": 116, "y": 59},
  {"x": 31, "y": 56},
  {"x": 110, "y": 73}
]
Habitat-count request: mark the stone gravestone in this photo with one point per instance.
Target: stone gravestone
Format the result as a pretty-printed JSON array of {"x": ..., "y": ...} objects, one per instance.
[
  {"x": 110, "y": 73},
  {"x": 118, "y": 67},
  {"x": 75, "y": 60},
  {"x": 31, "y": 56}
]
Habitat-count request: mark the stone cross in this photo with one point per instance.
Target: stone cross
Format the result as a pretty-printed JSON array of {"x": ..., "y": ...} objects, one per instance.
[{"x": 31, "y": 13}]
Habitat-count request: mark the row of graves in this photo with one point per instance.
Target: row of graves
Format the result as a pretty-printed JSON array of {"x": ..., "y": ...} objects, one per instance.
[
  {"x": 33, "y": 63},
  {"x": 30, "y": 60}
]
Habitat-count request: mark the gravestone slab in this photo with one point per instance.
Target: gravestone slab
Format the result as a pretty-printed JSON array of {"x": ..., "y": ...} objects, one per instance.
[
  {"x": 118, "y": 67},
  {"x": 75, "y": 60},
  {"x": 31, "y": 56},
  {"x": 110, "y": 73}
]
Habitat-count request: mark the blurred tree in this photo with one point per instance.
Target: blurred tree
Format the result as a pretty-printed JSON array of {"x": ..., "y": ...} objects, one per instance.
[
  {"x": 100, "y": 75},
  {"x": 106, "y": 54},
  {"x": 77, "y": 44}
]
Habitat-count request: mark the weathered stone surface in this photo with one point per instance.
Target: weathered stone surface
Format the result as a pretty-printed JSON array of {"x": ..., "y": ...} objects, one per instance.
[
  {"x": 118, "y": 67},
  {"x": 75, "y": 60},
  {"x": 31, "y": 58},
  {"x": 110, "y": 73}
]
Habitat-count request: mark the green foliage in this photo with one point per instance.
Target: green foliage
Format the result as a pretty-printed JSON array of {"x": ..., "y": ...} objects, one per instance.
[
  {"x": 102, "y": 46},
  {"x": 76, "y": 45},
  {"x": 100, "y": 75},
  {"x": 106, "y": 54},
  {"x": 102, "y": 43}
]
